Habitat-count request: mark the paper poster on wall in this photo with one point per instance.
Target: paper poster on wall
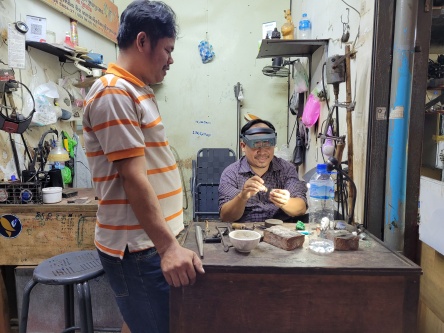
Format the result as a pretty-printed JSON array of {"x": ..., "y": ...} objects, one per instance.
[
  {"x": 101, "y": 16},
  {"x": 37, "y": 28},
  {"x": 16, "y": 48}
]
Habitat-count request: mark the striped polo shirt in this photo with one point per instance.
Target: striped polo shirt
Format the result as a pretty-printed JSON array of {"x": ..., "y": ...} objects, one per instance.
[{"x": 121, "y": 120}]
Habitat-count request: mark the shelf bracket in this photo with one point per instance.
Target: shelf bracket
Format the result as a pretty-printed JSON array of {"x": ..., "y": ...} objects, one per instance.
[{"x": 79, "y": 66}]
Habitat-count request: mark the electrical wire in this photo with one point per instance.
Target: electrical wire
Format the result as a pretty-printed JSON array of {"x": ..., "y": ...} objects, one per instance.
[
  {"x": 352, "y": 8},
  {"x": 62, "y": 68}
]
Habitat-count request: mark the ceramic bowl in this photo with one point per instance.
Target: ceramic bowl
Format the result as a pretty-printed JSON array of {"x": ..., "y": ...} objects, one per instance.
[{"x": 244, "y": 240}]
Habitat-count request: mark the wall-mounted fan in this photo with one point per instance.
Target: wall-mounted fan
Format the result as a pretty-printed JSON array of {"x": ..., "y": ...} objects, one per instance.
[{"x": 278, "y": 68}]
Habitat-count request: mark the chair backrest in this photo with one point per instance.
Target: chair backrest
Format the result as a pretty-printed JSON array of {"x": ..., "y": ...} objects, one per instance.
[{"x": 210, "y": 162}]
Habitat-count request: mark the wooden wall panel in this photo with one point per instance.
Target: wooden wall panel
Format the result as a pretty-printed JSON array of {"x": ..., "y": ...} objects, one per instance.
[
  {"x": 428, "y": 322},
  {"x": 431, "y": 304}
]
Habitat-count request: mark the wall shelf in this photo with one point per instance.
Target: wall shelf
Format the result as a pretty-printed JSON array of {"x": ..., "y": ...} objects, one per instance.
[
  {"x": 290, "y": 47},
  {"x": 61, "y": 53}
]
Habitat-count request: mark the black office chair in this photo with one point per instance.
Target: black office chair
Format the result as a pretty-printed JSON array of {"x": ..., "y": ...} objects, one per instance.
[{"x": 206, "y": 172}]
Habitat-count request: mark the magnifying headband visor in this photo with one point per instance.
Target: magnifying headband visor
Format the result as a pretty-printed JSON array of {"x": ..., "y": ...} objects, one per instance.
[{"x": 259, "y": 137}]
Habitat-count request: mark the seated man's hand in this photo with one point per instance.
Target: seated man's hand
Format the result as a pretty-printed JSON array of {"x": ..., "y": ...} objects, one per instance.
[
  {"x": 252, "y": 186},
  {"x": 279, "y": 197}
]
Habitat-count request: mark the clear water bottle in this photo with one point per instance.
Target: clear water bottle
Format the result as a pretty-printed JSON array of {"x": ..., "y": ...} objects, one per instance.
[
  {"x": 304, "y": 27},
  {"x": 321, "y": 200}
]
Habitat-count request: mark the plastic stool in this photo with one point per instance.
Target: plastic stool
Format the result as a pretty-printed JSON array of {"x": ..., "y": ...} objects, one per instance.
[{"x": 73, "y": 269}]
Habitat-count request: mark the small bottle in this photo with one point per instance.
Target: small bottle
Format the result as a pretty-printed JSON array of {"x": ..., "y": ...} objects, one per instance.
[
  {"x": 321, "y": 199},
  {"x": 74, "y": 34},
  {"x": 67, "y": 40},
  {"x": 304, "y": 27}
]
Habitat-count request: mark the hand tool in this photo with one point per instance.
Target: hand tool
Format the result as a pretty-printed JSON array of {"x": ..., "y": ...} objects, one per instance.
[
  {"x": 221, "y": 233},
  {"x": 240, "y": 226},
  {"x": 199, "y": 240},
  {"x": 215, "y": 239}
]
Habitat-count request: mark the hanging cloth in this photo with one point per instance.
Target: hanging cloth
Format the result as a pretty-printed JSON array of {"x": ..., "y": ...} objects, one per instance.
[{"x": 299, "y": 149}]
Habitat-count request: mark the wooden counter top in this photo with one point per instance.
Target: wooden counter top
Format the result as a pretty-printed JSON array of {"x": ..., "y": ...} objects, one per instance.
[
  {"x": 371, "y": 255},
  {"x": 63, "y": 206},
  {"x": 269, "y": 289}
]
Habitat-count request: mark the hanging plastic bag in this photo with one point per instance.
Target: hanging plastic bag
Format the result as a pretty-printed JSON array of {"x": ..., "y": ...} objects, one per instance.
[
  {"x": 299, "y": 149},
  {"x": 296, "y": 104},
  {"x": 293, "y": 103},
  {"x": 300, "y": 78},
  {"x": 312, "y": 110},
  {"x": 206, "y": 51},
  {"x": 46, "y": 112}
]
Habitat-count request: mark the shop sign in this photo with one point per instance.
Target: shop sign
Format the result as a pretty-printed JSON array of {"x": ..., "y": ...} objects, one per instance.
[{"x": 100, "y": 16}]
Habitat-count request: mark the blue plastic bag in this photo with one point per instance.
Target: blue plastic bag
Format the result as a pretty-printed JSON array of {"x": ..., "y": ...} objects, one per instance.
[{"x": 206, "y": 51}]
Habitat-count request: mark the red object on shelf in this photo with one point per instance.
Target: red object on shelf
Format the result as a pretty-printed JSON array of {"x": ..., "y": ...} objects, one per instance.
[{"x": 68, "y": 40}]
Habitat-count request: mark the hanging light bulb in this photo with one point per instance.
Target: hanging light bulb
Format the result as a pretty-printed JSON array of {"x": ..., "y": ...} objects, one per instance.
[{"x": 58, "y": 153}]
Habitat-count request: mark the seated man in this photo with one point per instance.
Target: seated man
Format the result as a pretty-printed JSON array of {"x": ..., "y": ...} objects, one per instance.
[{"x": 260, "y": 185}]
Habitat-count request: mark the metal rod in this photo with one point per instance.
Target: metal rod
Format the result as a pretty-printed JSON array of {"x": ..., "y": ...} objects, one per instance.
[
  {"x": 199, "y": 240},
  {"x": 237, "y": 89},
  {"x": 16, "y": 158},
  {"x": 348, "y": 101}
]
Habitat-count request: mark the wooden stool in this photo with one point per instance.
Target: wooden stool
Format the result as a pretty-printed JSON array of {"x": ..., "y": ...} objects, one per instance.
[{"x": 73, "y": 269}]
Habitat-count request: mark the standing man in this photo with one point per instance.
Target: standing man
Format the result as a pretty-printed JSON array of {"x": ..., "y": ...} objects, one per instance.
[
  {"x": 135, "y": 174},
  {"x": 260, "y": 185}
]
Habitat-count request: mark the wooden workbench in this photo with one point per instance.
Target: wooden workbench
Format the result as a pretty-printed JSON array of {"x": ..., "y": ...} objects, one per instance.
[
  {"x": 50, "y": 229},
  {"x": 47, "y": 230},
  {"x": 372, "y": 289}
]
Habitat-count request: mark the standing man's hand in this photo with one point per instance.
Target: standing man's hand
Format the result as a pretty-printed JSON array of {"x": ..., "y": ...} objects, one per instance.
[{"x": 179, "y": 265}]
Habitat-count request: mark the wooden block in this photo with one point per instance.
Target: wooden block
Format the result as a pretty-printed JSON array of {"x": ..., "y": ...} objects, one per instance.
[
  {"x": 343, "y": 240},
  {"x": 283, "y": 238}
]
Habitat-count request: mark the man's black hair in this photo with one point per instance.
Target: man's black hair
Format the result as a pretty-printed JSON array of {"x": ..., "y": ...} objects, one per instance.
[
  {"x": 155, "y": 18},
  {"x": 248, "y": 125}
]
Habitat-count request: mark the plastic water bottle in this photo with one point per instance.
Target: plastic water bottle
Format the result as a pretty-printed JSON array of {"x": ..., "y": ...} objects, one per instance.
[
  {"x": 321, "y": 200},
  {"x": 304, "y": 27}
]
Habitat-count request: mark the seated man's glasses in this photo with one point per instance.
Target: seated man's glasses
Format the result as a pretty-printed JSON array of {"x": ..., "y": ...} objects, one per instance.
[{"x": 260, "y": 138}]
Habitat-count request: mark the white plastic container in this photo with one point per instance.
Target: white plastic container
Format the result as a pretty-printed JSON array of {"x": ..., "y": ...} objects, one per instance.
[{"x": 52, "y": 194}]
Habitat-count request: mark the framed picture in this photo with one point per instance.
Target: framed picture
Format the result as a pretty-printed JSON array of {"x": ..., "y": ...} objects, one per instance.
[{"x": 267, "y": 29}]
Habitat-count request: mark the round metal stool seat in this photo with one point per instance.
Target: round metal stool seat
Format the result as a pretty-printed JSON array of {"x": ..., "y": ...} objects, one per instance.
[
  {"x": 69, "y": 268},
  {"x": 73, "y": 269}
]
